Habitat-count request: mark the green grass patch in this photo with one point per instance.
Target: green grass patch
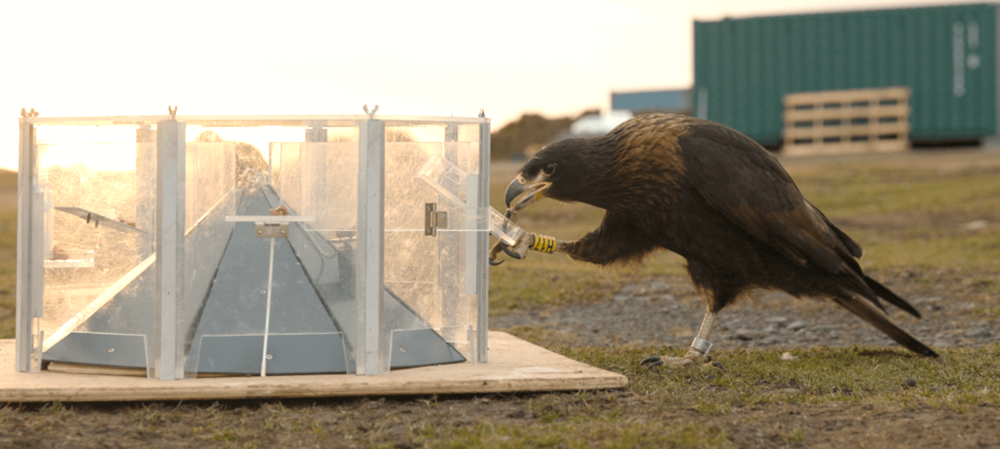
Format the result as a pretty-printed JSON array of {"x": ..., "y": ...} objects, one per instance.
[
  {"x": 862, "y": 189},
  {"x": 963, "y": 253},
  {"x": 604, "y": 430},
  {"x": 961, "y": 379}
]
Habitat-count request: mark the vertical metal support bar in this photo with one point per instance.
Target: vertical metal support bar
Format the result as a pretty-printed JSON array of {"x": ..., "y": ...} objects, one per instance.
[
  {"x": 483, "y": 297},
  {"x": 170, "y": 222},
  {"x": 369, "y": 271},
  {"x": 29, "y": 256}
]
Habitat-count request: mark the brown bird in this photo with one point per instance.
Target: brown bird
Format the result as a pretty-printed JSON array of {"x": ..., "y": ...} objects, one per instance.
[{"x": 717, "y": 198}]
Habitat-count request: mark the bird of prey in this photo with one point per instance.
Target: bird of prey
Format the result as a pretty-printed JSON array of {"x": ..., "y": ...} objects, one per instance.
[{"x": 717, "y": 198}]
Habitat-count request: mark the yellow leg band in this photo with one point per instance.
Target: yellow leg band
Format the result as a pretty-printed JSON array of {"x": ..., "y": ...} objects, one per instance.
[{"x": 544, "y": 244}]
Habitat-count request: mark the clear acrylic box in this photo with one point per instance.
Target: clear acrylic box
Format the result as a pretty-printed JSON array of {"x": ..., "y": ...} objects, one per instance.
[{"x": 264, "y": 245}]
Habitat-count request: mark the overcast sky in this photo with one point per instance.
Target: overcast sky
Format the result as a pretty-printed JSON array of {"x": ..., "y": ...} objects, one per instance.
[{"x": 92, "y": 58}]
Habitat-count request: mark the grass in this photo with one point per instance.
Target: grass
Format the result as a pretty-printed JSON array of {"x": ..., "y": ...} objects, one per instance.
[
  {"x": 962, "y": 379},
  {"x": 8, "y": 254}
]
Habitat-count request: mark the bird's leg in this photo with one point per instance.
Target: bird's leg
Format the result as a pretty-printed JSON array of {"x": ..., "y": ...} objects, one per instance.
[
  {"x": 527, "y": 241},
  {"x": 696, "y": 355}
]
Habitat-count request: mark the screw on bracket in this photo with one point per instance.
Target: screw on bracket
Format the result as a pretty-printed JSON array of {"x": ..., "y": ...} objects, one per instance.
[
  {"x": 173, "y": 112},
  {"x": 482, "y": 113},
  {"x": 28, "y": 114},
  {"x": 371, "y": 115}
]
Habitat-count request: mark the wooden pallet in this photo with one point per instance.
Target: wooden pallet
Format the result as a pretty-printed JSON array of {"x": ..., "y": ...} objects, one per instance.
[
  {"x": 514, "y": 365},
  {"x": 846, "y": 121}
]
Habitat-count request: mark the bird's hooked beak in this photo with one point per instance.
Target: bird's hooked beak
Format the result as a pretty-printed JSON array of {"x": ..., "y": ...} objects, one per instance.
[{"x": 519, "y": 185}]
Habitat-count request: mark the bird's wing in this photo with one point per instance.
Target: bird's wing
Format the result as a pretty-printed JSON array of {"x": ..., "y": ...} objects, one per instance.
[{"x": 747, "y": 185}]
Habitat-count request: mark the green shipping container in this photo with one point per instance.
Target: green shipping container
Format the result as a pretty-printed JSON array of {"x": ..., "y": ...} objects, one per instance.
[{"x": 947, "y": 55}]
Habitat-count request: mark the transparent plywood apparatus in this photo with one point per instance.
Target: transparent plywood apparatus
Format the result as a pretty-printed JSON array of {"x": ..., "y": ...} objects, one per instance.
[{"x": 254, "y": 245}]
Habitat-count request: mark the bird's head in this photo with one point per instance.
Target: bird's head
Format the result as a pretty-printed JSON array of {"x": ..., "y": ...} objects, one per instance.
[{"x": 561, "y": 171}]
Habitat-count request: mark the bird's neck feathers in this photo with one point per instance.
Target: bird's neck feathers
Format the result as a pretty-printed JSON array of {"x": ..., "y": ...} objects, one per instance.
[
  {"x": 596, "y": 177},
  {"x": 632, "y": 175}
]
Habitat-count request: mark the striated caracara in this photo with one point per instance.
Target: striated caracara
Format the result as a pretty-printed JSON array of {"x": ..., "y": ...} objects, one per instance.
[{"x": 717, "y": 198}]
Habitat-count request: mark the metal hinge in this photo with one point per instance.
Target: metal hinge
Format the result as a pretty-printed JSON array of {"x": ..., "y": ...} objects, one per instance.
[
  {"x": 434, "y": 219},
  {"x": 268, "y": 230}
]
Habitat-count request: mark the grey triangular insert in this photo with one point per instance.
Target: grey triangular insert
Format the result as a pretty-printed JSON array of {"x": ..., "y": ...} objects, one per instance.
[{"x": 421, "y": 347}]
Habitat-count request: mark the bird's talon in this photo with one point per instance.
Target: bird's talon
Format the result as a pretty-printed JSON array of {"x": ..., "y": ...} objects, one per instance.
[
  {"x": 510, "y": 253},
  {"x": 493, "y": 263},
  {"x": 650, "y": 360}
]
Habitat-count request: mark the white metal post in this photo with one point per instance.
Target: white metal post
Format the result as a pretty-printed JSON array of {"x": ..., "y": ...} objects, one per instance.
[
  {"x": 29, "y": 269},
  {"x": 170, "y": 209},
  {"x": 369, "y": 272},
  {"x": 483, "y": 296}
]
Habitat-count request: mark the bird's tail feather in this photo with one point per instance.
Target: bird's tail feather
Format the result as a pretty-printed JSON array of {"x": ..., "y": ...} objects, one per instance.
[
  {"x": 873, "y": 316},
  {"x": 893, "y": 299}
]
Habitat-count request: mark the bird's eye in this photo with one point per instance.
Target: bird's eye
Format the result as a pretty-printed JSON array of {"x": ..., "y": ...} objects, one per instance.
[{"x": 549, "y": 169}]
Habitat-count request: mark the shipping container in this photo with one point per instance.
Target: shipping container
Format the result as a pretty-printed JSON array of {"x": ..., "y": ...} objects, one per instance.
[
  {"x": 947, "y": 55},
  {"x": 676, "y": 101}
]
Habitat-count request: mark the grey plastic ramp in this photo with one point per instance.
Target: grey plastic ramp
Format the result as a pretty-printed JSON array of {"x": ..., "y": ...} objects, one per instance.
[
  {"x": 289, "y": 354},
  {"x": 93, "y": 348}
]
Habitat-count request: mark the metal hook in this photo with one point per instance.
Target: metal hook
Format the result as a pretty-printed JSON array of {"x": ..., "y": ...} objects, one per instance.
[
  {"x": 173, "y": 112},
  {"x": 371, "y": 115}
]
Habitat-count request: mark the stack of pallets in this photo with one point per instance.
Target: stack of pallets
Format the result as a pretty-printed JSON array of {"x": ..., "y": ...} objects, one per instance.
[{"x": 846, "y": 121}]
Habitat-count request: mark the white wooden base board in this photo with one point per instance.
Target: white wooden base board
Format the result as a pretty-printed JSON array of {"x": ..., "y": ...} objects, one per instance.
[{"x": 514, "y": 365}]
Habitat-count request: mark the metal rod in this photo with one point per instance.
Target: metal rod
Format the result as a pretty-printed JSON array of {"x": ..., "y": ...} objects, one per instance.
[
  {"x": 170, "y": 225},
  {"x": 483, "y": 296},
  {"x": 267, "y": 314},
  {"x": 26, "y": 179},
  {"x": 369, "y": 275}
]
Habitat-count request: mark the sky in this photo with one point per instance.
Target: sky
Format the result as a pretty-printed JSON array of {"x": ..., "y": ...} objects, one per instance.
[{"x": 509, "y": 57}]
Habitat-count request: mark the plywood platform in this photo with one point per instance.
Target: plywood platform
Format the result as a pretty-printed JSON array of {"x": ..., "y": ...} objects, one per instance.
[{"x": 515, "y": 365}]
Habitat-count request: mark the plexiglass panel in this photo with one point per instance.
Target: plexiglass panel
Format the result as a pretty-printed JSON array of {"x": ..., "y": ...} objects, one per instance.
[
  {"x": 98, "y": 184},
  {"x": 278, "y": 250},
  {"x": 432, "y": 220}
]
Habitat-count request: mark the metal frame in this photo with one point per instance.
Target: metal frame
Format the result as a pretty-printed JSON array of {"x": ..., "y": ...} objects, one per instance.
[
  {"x": 30, "y": 273},
  {"x": 482, "y": 247},
  {"x": 306, "y": 121},
  {"x": 370, "y": 273},
  {"x": 170, "y": 219}
]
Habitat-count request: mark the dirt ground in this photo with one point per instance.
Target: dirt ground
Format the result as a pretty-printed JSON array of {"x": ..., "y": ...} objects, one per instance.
[{"x": 409, "y": 422}]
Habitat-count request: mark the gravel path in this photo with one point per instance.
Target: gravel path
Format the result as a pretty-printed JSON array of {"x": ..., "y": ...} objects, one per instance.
[{"x": 668, "y": 312}]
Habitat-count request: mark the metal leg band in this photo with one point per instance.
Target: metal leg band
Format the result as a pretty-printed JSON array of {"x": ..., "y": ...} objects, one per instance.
[{"x": 702, "y": 346}]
